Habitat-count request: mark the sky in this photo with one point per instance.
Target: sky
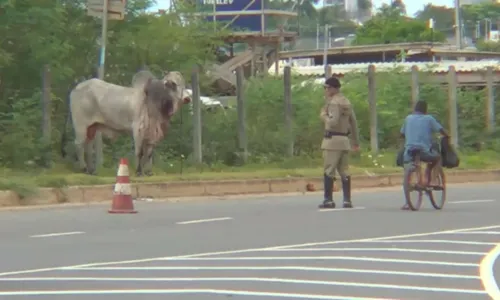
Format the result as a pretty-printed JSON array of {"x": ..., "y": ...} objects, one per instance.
[{"x": 412, "y": 6}]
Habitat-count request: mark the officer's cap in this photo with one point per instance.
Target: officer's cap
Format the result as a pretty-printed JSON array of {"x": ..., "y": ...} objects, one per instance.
[{"x": 332, "y": 82}]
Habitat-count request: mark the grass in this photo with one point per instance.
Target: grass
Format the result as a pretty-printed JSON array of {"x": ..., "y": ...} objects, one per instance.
[{"x": 27, "y": 181}]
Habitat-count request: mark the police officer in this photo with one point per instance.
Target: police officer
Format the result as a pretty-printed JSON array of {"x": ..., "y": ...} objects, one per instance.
[{"x": 340, "y": 121}]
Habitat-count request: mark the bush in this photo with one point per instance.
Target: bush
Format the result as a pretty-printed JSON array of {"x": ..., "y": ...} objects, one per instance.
[{"x": 264, "y": 101}]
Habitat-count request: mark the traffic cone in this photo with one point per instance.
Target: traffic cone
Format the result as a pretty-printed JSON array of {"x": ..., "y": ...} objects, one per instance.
[{"x": 122, "y": 195}]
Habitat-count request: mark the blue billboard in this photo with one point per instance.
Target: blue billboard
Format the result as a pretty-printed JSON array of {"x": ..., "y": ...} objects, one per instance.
[{"x": 236, "y": 22}]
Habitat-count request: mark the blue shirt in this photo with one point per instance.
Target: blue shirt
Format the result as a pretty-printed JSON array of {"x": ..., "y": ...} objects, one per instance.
[{"x": 418, "y": 129}]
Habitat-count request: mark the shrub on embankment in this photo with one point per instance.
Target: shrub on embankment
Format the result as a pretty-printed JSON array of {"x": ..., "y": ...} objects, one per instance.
[
  {"x": 267, "y": 141},
  {"x": 264, "y": 100}
]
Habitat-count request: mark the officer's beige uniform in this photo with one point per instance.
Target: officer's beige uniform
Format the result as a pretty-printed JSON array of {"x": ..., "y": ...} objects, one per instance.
[{"x": 340, "y": 121}]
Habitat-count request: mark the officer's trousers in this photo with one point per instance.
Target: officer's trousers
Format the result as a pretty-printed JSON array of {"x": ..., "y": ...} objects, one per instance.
[{"x": 336, "y": 160}]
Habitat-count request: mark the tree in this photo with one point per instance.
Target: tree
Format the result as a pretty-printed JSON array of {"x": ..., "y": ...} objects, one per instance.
[
  {"x": 335, "y": 16},
  {"x": 306, "y": 8},
  {"x": 389, "y": 25},
  {"x": 365, "y": 4},
  {"x": 364, "y": 9},
  {"x": 61, "y": 35},
  {"x": 488, "y": 46},
  {"x": 399, "y": 4},
  {"x": 475, "y": 15},
  {"x": 444, "y": 17}
]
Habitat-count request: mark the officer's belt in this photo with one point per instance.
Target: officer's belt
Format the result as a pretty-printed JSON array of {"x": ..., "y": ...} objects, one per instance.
[{"x": 329, "y": 134}]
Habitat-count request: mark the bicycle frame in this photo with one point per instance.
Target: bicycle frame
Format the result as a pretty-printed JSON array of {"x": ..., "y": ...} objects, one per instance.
[{"x": 416, "y": 164}]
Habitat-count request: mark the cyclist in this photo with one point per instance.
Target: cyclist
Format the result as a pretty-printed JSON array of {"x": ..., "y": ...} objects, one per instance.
[{"x": 417, "y": 130}]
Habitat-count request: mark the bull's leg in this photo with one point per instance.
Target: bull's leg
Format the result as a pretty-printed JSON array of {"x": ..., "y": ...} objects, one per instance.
[
  {"x": 138, "y": 156},
  {"x": 80, "y": 141},
  {"x": 89, "y": 157},
  {"x": 148, "y": 159},
  {"x": 138, "y": 170},
  {"x": 139, "y": 153},
  {"x": 89, "y": 148},
  {"x": 79, "y": 147}
]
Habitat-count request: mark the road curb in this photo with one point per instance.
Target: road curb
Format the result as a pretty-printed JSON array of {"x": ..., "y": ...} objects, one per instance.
[{"x": 178, "y": 189}]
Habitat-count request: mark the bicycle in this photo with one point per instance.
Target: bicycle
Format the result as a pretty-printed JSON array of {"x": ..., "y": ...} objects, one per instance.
[{"x": 415, "y": 168}]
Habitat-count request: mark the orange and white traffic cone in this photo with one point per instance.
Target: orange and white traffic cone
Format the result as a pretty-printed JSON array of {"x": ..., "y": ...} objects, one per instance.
[{"x": 122, "y": 195}]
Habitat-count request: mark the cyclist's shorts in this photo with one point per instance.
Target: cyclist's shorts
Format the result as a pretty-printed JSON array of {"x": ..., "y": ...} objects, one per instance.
[{"x": 426, "y": 155}]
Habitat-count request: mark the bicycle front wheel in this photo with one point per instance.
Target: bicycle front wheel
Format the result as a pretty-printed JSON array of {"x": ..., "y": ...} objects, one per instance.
[
  {"x": 438, "y": 188},
  {"x": 411, "y": 184}
]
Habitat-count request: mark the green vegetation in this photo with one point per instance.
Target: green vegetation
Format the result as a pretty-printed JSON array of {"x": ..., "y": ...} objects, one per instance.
[
  {"x": 267, "y": 142},
  {"x": 475, "y": 18},
  {"x": 390, "y": 25},
  {"x": 69, "y": 46}
]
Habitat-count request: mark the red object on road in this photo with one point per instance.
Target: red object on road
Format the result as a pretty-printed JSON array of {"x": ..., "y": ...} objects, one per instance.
[{"x": 122, "y": 194}]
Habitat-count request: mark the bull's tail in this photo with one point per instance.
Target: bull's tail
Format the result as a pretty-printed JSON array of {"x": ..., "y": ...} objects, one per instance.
[{"x": 64, "y": 135}]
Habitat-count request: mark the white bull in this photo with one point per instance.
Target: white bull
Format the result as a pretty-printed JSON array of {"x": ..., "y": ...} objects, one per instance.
[{"x": 143, "y": 111}]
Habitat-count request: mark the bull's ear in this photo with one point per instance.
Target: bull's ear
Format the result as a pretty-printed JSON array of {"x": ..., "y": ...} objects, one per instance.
[
  {"x": 147, "y": 85},
  {"x": 165, "y": 72}
]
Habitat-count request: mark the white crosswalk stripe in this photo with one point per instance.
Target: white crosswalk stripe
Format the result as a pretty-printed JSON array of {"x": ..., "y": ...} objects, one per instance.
[{"x": 439, "y": 266}]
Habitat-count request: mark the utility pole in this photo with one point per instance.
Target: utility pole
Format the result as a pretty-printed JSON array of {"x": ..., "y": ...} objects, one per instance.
[
  {"x": 487, "y": 28},
  {"x": 317, "y": 36},
  {"x": 478, "y": 31},
  {"x": 102, "y": 57},
  {"x": 458, "y": 25},
  {"x": 107, "y": 10},
  {"x": 325, "y": 50}
]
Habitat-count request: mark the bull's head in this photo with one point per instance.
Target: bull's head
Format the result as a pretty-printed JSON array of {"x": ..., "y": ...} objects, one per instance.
[
  {"x": 175, "y": 82},
  {"x": 159, "y": 98}
]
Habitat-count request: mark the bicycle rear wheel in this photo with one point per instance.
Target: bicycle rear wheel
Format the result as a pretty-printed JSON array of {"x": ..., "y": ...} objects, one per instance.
[
  {"x": 411, "y": 184},
  {"x": 438, "y": 188}
]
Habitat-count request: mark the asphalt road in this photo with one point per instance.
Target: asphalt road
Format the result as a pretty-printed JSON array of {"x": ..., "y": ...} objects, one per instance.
[{"x": 257, "y": 248}]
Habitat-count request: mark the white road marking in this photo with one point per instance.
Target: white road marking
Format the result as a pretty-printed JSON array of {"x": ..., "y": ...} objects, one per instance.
[
  {"x": 340, "y": 209},
  {"x": 336, "y": 242},
  {"x": 56, "y": 234},
  {"x": 204, "y": 220},
  {"x": 488, "y": 274},
  {"x": 405, "y": 250},
  {"x": 280, "y": 268},
  {"x": 478, "y": 232},
  {"x": 471, "y": 201},
  {"x": 434, "y": 241},
  {"x": 185, "y": 291},
  {"x": 254, "y": 279},
  {"x": 403, "y": 236},
  {"x": 352, "y": 258}
]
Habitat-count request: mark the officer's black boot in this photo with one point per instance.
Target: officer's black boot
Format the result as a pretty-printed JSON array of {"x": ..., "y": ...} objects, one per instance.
[
  {"x": 328, "y": 192},
  {"x": 346, "y": 189}
]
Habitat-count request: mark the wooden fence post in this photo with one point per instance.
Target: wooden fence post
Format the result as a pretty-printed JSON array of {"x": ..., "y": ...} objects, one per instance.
[
  {"x": 452, "y": 105},
  {"x": 372, "y": 102},
  {"x": 242, "y": 135},
  {"x": 46, "y": 116},
  {"x": 287, "y": 80},
  {"x": 197, "y": 154},
  {"x": 414, "y": 86},
  {"x": 490, "y": 101}
]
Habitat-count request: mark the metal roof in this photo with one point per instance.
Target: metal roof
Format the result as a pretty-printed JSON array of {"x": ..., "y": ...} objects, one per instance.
[{"x": 434, "y": 67}]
